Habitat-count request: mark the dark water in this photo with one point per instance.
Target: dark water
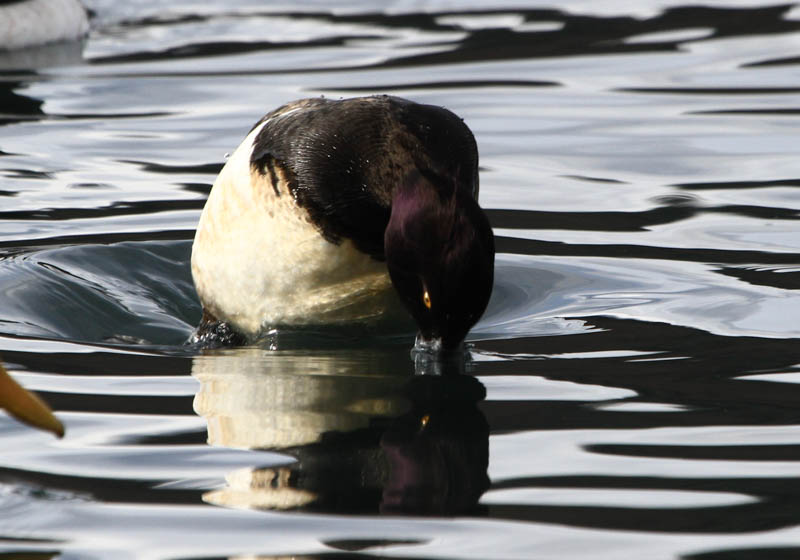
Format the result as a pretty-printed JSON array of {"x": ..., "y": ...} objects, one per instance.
[{"x": 632, "y": 390}]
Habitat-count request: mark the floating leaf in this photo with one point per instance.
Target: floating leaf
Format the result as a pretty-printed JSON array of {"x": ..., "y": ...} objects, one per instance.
[{"x": 25, "y": 406}]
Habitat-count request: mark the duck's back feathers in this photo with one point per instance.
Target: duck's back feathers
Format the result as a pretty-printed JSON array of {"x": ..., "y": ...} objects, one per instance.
[{"x": 346, "y": 158}]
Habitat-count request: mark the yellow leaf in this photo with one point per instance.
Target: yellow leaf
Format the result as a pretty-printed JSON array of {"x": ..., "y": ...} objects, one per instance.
[{"x": 25, "y": 406}]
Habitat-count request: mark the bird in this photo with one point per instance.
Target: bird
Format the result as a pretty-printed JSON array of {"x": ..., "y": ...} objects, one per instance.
[
  {"x": 29, "y": 23},
  {"x": 333, "y": 210}
]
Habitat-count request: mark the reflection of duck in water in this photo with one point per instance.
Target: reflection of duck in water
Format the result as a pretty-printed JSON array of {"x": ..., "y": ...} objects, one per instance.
[
  {"x": 327, "y": 205},
  {"x": 438, "y": 451},
  {"x": 28, "y": 23},
  {"x": 367, "y": 438}
]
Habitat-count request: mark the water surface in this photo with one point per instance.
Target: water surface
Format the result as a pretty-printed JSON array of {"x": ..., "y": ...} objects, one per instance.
[{"x": 630, "y": 391}]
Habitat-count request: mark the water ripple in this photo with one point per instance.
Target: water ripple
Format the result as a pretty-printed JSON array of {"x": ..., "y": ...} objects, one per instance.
[{"x": 631, "y": 390}]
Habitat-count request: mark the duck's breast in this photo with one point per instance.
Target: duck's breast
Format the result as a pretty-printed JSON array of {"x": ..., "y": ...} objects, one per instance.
[{"x": 258, "y": 261}]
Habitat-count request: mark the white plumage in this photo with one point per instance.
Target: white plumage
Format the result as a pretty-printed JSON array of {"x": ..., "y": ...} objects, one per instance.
[
  {"x": 259, "y": 262},
  {"x": 35, "y": 22}
]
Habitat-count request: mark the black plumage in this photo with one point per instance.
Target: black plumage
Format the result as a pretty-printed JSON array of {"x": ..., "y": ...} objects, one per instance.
[{"x": 346, "y": 158}]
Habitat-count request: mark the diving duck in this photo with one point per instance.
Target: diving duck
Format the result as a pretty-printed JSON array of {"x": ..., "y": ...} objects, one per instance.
[{"x": 330, "y": 211}]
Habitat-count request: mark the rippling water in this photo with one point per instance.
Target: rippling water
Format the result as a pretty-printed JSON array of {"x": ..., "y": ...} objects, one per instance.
[{"x": 632, "y": 389}]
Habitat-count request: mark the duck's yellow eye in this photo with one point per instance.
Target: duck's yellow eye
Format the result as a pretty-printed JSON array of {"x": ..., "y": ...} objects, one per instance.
[{"x": 426, "y": 299}]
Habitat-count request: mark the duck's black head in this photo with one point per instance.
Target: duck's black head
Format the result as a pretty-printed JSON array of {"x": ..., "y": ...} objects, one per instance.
[{"x": 439, "y": 250}]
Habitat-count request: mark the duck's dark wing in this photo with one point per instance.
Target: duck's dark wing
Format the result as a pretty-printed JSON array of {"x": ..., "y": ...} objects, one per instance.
[{"x": 344, "y": 158}]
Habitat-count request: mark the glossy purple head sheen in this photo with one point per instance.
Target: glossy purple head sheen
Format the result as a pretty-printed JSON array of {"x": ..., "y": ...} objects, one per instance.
[{"x": 439, "y": 250}]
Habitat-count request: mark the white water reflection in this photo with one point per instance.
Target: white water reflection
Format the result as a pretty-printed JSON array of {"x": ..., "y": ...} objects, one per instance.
[{"x": 254, "y": 398}]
